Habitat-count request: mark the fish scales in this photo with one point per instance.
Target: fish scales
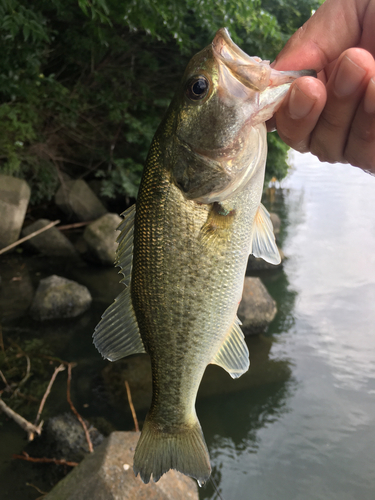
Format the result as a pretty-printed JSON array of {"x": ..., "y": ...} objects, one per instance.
[{"x": 198, "y": 216}]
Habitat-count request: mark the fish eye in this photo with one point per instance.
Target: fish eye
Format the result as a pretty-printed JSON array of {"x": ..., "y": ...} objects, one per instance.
[{"x": 197, "y": 88}]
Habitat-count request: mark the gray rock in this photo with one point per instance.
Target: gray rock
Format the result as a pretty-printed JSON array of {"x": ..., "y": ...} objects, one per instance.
[
  {"x": 76, "y": 197},
  {"x": 276, "y": 222},
  {"x": 14, "y": 198},
  {"x": 257, "y": 308},
  {"x": 107, "y": 474},
  {"x": 17, "y": 291},
  {"x": 58, "y": 297},
  {"x": 66, "y": 438},
  {"x": 101, "y": 236},
  {"x": 51, "y": 242},
  {"x": 258, "y": 264}
]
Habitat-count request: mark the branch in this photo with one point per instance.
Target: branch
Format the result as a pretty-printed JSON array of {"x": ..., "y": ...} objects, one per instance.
[
  {"x": 44, "y": 460},
  {"x": 28, "y": 237},
  {"x": 30, "y": 428},
  {"x": 88, "y": 439},
  {"x": 60, "y": 368},
  {"x": 132, "y": 406}
]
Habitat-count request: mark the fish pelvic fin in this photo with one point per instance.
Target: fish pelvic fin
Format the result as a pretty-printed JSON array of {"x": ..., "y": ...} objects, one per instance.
[
  {"x": 117, "y": 334},
  {"x": 182, "y": 448},
  {"x": 263, "y": 243},
  {"x": 233, "y": 354}
]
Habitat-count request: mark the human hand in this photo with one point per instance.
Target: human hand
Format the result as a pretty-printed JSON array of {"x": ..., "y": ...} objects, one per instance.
[{"x": 333, "y": 116}]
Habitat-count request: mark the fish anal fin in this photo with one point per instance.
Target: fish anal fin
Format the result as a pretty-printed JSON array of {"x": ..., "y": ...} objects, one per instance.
[
  {"x": 233, "y": 354},
  {"x": 263, "y": 241}
]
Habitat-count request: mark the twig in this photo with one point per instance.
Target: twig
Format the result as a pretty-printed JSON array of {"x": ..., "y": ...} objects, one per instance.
[
  {"x": 7, "y": 386},
  {"x": 44, "y": 460},
  {"x": 37, "y": 489},
  {"x": 88, "y": 439},
  {"x": 132, "y": 406},
  {"x": 74, "y": 225},
  {"x": 28, "y": 237},
  {"x": 1, "y": 339},
  {"x": 30, "y": 428},
  {"x": 60, "y": 368}
]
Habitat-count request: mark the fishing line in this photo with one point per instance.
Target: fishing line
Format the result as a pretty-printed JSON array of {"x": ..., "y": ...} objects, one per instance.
[{"x": 215, "y": 487}]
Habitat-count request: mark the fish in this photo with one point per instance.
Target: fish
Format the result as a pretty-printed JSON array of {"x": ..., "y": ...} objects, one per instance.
[{"x": 184, "y": 246}]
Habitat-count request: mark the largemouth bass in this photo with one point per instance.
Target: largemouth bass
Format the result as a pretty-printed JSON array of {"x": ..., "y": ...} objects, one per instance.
[{"x": 183, "y": 250}]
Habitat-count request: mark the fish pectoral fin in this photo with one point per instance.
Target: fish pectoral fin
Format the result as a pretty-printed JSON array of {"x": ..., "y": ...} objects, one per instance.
[
  {"x": 117, "y": 334},
  {"x": 233, "y": 354},
  {"x": 263, "y": 243}
]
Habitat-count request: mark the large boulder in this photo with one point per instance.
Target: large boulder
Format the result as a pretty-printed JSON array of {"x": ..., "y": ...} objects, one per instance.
[
  {"x": 107, "y": 474},
  {"x": 257, "y": 308},
  {"x": 76, "y": 198},
  {"x": 58, "y": 297},
  {"x": 14, "y": 198},
  {"x": 65, "y": 438},
  {"x": 100, "y": 237},
  {"x": 51, "y": 242}
]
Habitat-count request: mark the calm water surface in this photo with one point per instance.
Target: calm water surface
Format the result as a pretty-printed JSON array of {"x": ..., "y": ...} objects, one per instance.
[
  {"x": 308, "y": 431},
  {"x": 300, "y": 425}
]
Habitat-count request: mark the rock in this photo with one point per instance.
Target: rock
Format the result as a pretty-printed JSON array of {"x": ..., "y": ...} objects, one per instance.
[
  {"x": 257, "y": 308},
  {"x": 58, "y": 297},
  {"x": 107, "y": 474},
  {"x": 258, "y": 264},
  {"x": 51, "y": 242},
  {"x": 14, "y": 198},
  {"x": 137, "y": 371},
  {"x": 65, "y": 438},
  {"x": 101, "y": 236},
  {"x": 17, "y": 291},
  {"x": 75, "y": 197},
  {"x": 276, "y": 222}
]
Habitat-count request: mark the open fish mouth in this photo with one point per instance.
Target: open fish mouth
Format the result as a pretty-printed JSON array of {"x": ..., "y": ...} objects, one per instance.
[{"x": 253, "y": 72}]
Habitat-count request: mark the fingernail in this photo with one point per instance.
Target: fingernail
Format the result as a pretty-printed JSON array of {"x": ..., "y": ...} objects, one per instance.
[
  {"x": 348, "y": 78},
  {"x": 369, "y": 101},
  {"x": 300, "y": 104}
]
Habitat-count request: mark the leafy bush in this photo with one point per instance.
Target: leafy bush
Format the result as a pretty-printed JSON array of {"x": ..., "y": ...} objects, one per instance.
[{"x": 84, "y": 83}]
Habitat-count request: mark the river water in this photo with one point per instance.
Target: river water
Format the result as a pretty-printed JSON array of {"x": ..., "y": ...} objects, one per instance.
[
  {"x": 300, "y": 425},
  {"x": 308, "y": 432}
]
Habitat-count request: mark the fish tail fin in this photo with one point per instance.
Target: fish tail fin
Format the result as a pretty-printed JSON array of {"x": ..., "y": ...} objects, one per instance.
[{"x": 183, "y": 449}]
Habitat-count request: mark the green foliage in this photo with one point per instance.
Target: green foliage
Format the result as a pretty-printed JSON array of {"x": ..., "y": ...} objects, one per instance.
[{"x": 84, "y": 83}]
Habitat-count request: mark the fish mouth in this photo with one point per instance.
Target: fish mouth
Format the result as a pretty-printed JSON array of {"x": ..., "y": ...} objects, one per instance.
[{"x": 253, "y": 72}]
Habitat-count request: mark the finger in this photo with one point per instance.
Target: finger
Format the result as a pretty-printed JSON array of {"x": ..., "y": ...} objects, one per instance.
[
  {"x": 345, "y": 90},
  {"x": 300, "y": 112},
  {"x": 360, "y": 149},
  {"x": 333, "y": 28}
]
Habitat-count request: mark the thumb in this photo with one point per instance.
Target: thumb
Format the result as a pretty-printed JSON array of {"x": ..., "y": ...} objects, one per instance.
[{"x": 335, "y": 26}]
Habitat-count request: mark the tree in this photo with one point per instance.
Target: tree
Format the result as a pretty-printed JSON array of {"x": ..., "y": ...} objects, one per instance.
[{"x": 84, "y": 83}]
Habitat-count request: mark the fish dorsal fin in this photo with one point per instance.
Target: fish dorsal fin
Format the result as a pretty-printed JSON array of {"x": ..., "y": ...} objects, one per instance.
[
  {"x": 117, "y": 334},
  {"x": 263, "y": 242},
  {"x": 233, "y": 354},
  {"x": 124, "y": 252}
]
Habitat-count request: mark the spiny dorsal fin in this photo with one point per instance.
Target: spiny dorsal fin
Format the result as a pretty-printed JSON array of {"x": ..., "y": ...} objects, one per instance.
[
  {"x": 263, "y": 242},
  {"x": 117, "y": 334},
  {"x": 124, "y": 252},
  {"x": 233, "y": 354}
]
